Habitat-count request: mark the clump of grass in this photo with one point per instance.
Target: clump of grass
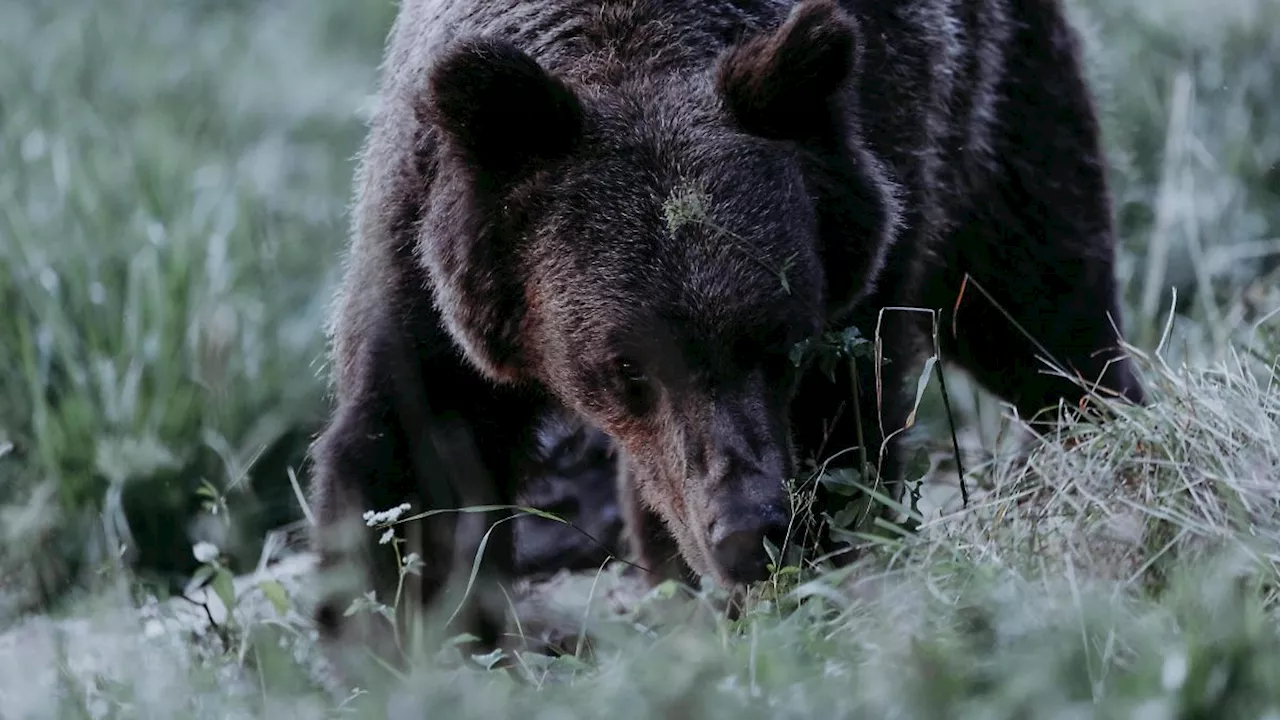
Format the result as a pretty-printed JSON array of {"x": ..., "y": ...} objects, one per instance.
[
  {"x": 1194, "y": 471},
  {"x": 174, "y": 181}
]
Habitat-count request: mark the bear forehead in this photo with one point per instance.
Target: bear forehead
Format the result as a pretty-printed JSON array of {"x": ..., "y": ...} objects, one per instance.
[
  {"x": 691, "y": 288},
  {"x": 713, "y": 242},
  {"x": 672, "y": 175}
]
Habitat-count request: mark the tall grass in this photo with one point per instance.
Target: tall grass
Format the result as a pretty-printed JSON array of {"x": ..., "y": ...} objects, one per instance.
[
  {"x": 174, "y": 188},
  {"x": 1128, "y": 570}
]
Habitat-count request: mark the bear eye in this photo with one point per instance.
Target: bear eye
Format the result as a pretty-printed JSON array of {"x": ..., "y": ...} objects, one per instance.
[
  {"x": 630, "y": 372},
  {"x": 635, "y": 384}
]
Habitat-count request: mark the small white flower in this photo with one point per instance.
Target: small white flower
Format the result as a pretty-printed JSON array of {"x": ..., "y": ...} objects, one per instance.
[
  {"x": 410, "y": 559},
  {"x": 372, "y": 518},
  {"x": 205, "y": 552},
  {"x": 387, "y": 536}
]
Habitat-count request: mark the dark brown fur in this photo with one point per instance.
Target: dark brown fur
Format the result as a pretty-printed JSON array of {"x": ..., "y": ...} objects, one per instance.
[
  {"x": 575, "y": 480},
  {"x": 511, "y": 256}
]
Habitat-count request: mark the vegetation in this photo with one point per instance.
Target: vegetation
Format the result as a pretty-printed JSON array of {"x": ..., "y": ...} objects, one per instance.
[{"x": 172, "y": 210}]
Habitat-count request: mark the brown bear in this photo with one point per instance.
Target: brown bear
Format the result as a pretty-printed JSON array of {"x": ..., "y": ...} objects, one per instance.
[{"x": 632, "y": 211}]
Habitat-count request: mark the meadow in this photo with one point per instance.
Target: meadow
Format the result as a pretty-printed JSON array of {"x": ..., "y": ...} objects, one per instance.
[{"x": 174, "y": 187}]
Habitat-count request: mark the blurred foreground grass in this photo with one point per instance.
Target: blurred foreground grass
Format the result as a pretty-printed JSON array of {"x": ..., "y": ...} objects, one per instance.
[
  {"x": 172, "y": 201},
  {"x": 173, "y": 186},
  {"x": 1129, "y": 571}
]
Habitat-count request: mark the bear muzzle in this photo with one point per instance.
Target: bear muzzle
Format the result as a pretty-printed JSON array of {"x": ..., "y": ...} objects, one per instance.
[{"x": 736, "y": 537}]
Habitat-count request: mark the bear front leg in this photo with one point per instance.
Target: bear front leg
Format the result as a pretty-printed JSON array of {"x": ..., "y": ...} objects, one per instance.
[
  {"x": 1037, "y": 237},
  {"x": 414, "y": 425},
  {"x": 361, "y": 466}
]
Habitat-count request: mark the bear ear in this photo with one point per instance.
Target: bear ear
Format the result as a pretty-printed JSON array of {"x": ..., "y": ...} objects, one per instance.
[
  {"x": 780, "y": 85},
  {"x": 499, "y": 107}
]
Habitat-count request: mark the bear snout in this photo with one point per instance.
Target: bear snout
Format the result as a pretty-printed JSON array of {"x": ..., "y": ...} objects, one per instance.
[{"x": 737, "y": 536}]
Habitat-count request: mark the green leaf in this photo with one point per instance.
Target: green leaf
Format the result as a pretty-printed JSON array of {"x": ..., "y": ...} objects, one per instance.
[
  {"x": 852, "y": 344},
  {"x": 771, "y": 550},
  {"x": 275, "y": 592},
  {"x": 798, "y": 352},
  {"x": 921, "y": 384},
  {"x": 840, "y": 481},
  {"x": 491, "y": 658},
  {"x": 848, "y": 515},
  {"x": 459, "y": 639},
  {"x": 224, "y": 588},
  {"x": 356, "y": 606},
  {"x": 202, "y": 575},
  {"x": 665, "y": 590}
]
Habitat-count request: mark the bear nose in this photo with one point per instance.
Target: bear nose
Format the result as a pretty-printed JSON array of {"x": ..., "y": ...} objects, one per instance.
[{"x": 737, "y": 543}]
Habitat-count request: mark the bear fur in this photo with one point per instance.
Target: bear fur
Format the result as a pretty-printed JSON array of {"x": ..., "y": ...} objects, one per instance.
[
  {"x": 629, "y": 212},
  {"x": 576, "y": 482}
]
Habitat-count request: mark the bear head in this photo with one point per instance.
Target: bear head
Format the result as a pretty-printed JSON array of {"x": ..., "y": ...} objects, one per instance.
[{"x": 650, "y": 250}]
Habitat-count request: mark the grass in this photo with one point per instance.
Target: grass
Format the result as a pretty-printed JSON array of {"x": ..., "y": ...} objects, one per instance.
[
  {"x": 176, "y": 178},
  {"x": 172, "y": 202}
]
